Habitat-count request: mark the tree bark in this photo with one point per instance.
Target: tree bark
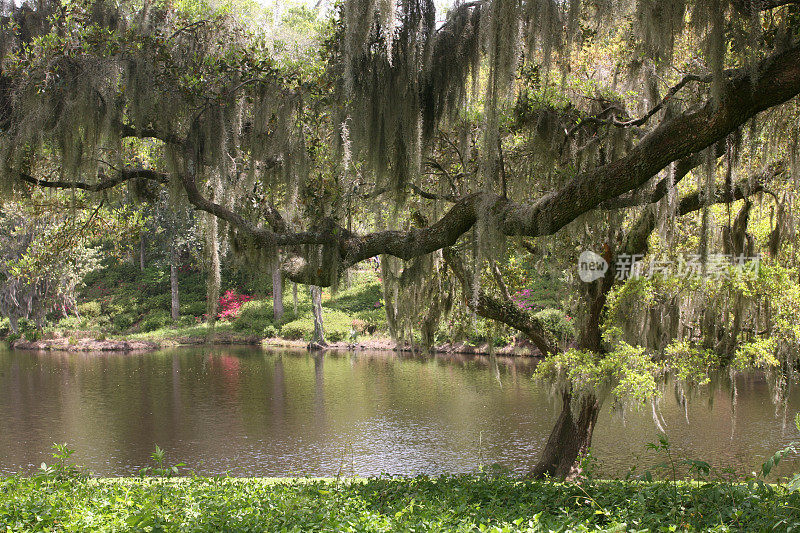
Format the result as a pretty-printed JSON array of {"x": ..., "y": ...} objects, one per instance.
[
  {"x": 277, "y": 290},
  {"x": 141, "y": 252},
  {"x": 316, "y": 306},
  {"x": 173, "y": 284},
  {"x": 570, "y": 438}
]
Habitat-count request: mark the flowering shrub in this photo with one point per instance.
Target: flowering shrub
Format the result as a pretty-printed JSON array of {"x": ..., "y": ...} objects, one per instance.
[{"x": 230, "y": 304}]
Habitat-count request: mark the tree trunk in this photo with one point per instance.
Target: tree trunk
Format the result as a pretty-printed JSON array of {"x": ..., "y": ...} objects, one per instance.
[
  {"x": 173, "y": 284},
  {"x": 570, "y": 438},
  {"x": 388, "y": 297},
  {"x": 572, "y": 435},
  {"x": 141, "y": 252},
  {"x": 277, "y": 290},
  {"x": 316, "y": 306}
]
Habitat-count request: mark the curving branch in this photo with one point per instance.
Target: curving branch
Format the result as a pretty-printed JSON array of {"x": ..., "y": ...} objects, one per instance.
[
  {"x": 684, "y": 136},
  {"x": 501, "y": 310},
  {"x": 102, "y": 185},
  {"x": 682, "y": 168}
]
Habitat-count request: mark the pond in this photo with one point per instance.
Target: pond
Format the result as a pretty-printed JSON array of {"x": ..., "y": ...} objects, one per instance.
[{"x": 251, "y": 412}]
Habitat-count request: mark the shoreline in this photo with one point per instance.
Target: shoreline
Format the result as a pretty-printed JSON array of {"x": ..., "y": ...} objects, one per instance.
[{"x": 88, "y": 343}]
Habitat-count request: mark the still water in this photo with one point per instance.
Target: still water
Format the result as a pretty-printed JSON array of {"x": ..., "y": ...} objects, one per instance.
[{"x": 249, "y": 412}]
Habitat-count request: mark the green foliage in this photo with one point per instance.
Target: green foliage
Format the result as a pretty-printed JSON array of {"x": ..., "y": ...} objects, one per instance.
[
  {"x": 358, "y": 298},
  {"x": 557, "y": 323},
  {"x": 691, "y": 364},
  {"x": 337, "y": 326},
  {"x": 155, "y": 320},
  {"x": 628, "y": 372},
  {"x": 462, "y": 503},
  {"x": 90, "y": 309},
  {"x": 758, "y": 353},
  {"x": 254, "y": 317},
  {"x": 123, "y": 322},
  {"x": 62, "y": 469},
  {"x": 193, "y": 309}
]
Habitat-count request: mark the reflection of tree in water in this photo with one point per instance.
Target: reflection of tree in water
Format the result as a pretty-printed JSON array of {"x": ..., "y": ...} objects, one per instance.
[
  {"x": 319, "y": 387},
  {"x": 278, "y": 404}
]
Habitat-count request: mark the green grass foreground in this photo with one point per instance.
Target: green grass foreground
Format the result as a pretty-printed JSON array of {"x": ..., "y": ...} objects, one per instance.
[{"x": 458, "y": 503}]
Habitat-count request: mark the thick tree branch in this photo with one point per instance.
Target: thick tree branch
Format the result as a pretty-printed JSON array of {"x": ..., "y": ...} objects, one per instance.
[
  {"x": 676, "y": 139},
  {"x": 634, "y": 242},
  {"x": 103, "y": 184},
  {"x": 682, "y": 168},
  {"x": 679, "y": 138}
]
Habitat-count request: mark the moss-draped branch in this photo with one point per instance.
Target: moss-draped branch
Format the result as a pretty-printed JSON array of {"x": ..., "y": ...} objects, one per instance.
[{"x": 741, "y": 98}]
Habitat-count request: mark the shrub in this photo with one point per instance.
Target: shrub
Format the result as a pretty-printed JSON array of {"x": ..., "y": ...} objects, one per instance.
[
  {"x": 161, "y": 301},
  {"x": 155, "y": 320},
  {"x": 193, "y": 309},
  {"x": 230, "y": 304},
  {"x": 557, "y": 323},
  {"x": 5, "y": 327},
  {"x": 123, "y": 321},
  {"x": 89, "y": 309},
  {"x": 374, "y": 319},
  {"x": 254, "y": 316},
  {"x": 112, "y": 309},
  {"x": 70, "y": 322},
  {"x": 270, "y": 331},
  {"x": 337, "y": 326}
]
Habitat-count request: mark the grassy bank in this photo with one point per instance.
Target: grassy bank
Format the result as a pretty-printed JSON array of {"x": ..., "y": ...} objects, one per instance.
[
  {"x": 121, "y": 302},
  {"x": 461, "y": 503}
]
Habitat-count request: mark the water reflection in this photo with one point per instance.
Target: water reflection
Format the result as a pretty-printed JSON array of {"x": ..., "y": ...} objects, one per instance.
[{"x": 276, "y": 413}]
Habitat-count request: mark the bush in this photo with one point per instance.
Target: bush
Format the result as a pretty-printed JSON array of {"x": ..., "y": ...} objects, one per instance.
[
  {"x": 336, "y": 323},
  {"x": 112, "y": 309},
  {"x": 254, "y": 316},
  {"x": 557, "y": 323},
  {"x": 270, "y": 332},
  {"x": 123, "y": 321},
  {"x": 193, "y": 309},
  {"x": 161, "y": 301},
  {"x": 230, "y": 304},
  {"x": 5, "y": 328},
  {"x": 374, "y": 319},
  {"x": 155, "y": 320},
  {"x": 70, "y": 322},
  {"x": 89, "y": 309}
]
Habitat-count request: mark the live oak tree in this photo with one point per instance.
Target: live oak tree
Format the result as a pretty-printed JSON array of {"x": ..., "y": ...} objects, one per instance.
[{"x": 508, "y": 120}]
